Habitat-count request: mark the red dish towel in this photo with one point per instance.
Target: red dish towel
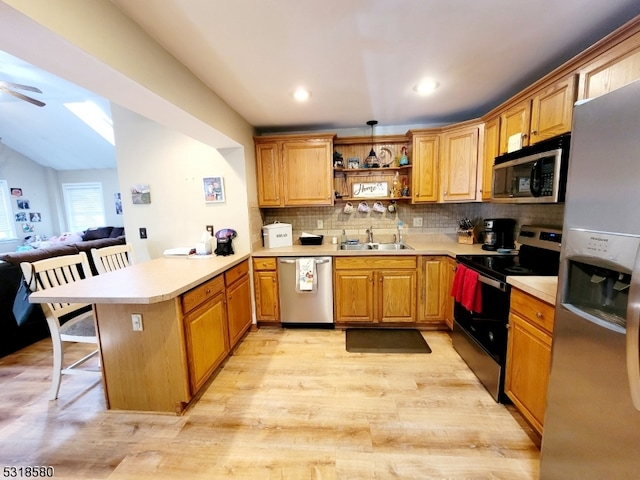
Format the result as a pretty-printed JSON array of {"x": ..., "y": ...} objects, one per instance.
[
  {"x": 471, "y": 292},
  {"x": 458, "y": 282}
]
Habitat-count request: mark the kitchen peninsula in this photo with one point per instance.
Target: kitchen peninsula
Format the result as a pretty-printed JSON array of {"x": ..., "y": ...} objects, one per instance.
[{"x": 193, "y": 310}]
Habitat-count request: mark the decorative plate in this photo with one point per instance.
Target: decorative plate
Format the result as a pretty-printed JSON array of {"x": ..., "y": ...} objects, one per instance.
[{"x": 386, "y": 157}]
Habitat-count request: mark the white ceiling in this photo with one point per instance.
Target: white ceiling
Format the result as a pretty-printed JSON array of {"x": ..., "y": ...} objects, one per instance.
[
  {"x": 360, "y": 59},
  {"x": 50, "y": 135}
]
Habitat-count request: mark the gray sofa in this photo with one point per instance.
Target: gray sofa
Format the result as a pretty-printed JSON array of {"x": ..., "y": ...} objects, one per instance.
[{"x": 13, "y": 336}]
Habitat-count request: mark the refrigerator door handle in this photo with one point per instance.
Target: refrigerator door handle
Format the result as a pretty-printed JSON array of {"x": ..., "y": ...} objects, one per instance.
[{"x": 633, "y": 334}]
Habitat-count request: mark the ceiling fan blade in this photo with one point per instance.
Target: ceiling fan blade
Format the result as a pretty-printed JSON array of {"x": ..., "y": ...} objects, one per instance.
[
  {"x": 23, "y": 97},
  {"x": 21, "y": 87}
]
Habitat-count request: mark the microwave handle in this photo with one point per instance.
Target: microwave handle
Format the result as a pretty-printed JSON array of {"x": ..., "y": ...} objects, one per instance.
[{"x": 535, "y": 182}]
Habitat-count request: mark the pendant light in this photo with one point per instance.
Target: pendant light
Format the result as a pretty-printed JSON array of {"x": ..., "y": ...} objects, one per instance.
[{"x": 372, "y": 159}]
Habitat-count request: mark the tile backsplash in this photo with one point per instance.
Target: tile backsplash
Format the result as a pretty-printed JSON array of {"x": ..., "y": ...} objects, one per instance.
[{"x": 436, "y": 218}]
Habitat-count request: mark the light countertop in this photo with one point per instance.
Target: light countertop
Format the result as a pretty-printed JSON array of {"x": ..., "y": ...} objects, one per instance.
[
  {"x": 419, "y": 246},
  {"x": 543, "y": 288},
  {"x": 154, "y": 281}
]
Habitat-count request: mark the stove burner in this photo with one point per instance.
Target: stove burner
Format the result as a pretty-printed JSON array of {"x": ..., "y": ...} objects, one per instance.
[{"x": 517, "y": 269}]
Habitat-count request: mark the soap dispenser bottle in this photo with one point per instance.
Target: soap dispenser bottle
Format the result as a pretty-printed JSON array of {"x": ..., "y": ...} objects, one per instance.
[{"x": 400, "y": 232}]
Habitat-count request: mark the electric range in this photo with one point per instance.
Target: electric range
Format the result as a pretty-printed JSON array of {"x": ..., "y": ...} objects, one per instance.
[{"x": 480, "y": 337}]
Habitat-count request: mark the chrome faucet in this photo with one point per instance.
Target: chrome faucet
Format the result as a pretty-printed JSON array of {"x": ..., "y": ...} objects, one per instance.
[{"x": 370, "y": 235}]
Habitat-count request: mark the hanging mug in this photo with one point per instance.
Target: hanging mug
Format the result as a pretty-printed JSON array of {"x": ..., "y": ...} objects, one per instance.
[
  {"x": 348, "y": 207},
  {"x": 378, "y": 207},
  {"x": 392, "y": 207},
  {"x": 363, "y": 207}
]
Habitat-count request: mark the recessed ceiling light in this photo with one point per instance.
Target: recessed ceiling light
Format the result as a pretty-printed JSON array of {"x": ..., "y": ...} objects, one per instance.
[
  {"x": 301, "y": 94},
  {"x": 426, "y": 87}
]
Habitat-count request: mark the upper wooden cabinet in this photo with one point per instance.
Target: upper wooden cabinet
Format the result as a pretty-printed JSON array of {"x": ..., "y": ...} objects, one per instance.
[
  {"x": 491, "y": 151},
  {"x": 614, "y": 69},
  {"x": 425, "y": 156},
  {"x": 295, "y": 171},
  {"x": 269, "y": 177},
  {"x": 552, "y": 109},
  {"x": 545, "y": 115},
  {"x": 459, "y": 163},
  {"x": 515, "y": 121}
]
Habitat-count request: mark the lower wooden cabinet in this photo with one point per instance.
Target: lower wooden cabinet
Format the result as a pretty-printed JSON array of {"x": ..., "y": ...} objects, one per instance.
[
  {"x": 238, "y": 294},
  {"x": 265, "y": 284},
  {"x": 451, "y": 267},
  {"x": 529, "y": 355},
  {"x": 206, "y": 333},
  {"x": 375, "y": 289},
  {"x": 433, "y": 294}
]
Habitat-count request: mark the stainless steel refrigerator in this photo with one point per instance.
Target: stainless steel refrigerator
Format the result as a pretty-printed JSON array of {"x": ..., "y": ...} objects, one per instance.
[{"x": 592, "y": 420}]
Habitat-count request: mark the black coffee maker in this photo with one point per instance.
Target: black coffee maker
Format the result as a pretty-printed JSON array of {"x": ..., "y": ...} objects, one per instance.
[{"x": 499, "y": 233}]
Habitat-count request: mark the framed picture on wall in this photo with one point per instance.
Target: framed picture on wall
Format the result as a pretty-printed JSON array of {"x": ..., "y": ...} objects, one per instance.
[
  {"x": 140, "y": 194},
  {"x": 213, "y": 189}
]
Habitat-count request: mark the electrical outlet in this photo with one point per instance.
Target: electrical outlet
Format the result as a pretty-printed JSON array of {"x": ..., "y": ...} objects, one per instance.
[
  {"x": 320, "y": 224},
  {"x": 417, "y": 221},
  {"x": 143, "y": 232},
  {"x": 136, "y": 322}
]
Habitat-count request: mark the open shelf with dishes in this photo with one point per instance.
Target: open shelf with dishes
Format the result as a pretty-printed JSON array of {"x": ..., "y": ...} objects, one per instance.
[
  {"x": 386, "y": 178},
  {"x": 355, "y": 184}
]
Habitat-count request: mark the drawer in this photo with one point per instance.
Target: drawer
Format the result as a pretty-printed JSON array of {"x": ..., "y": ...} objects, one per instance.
[
  {"x": 236, "y": 272},
  {"x": 375, "y": 261},
  {"x": 202, "y": 293},
  {"x": 264, "y": 263},
  {"x": 534, "y": 310}
]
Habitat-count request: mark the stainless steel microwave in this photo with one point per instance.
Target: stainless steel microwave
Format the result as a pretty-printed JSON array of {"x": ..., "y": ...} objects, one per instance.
[{"x": 535, "y": 174}]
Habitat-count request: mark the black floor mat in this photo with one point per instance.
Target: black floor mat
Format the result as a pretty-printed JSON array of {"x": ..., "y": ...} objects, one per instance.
[{"x": 377, "y": 340}]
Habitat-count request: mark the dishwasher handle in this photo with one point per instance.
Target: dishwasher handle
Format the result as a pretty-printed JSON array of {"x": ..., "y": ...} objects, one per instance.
[{"x": 293, "y": 260}]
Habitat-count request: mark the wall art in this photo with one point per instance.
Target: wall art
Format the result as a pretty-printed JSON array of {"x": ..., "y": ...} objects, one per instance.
[
  {"x": 213, "y": 189},
  {"x": 140, "y": 194}
]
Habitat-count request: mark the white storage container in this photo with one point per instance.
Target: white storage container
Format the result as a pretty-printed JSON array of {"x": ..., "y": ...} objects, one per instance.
[{"x": 277, "y": 235}]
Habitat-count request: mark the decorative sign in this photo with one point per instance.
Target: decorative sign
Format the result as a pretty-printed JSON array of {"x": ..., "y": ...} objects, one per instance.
[{"x": 371, "y": 190}]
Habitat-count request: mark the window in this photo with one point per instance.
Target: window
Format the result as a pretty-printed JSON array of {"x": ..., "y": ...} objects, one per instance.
[
  {"x": 84, "y": 204},
  {"x": 7, "y": 224}
]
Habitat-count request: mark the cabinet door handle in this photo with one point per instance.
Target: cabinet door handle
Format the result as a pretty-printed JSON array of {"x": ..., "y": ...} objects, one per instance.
[{"x": 539, "y": 314}]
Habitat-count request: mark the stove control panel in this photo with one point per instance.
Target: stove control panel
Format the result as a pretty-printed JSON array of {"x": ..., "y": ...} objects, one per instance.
[{"x": 546, "y": 237}]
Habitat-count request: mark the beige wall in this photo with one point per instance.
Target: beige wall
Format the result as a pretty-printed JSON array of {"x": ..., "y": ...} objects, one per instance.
[
  {"x": 21, "y": 172},
  {"x": 173, "y": 165}
]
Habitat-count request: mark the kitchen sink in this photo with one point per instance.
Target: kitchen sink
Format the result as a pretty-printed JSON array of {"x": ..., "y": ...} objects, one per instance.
[
  {"x": 392, "y": 246},
  {"x": 375, "y": 246},
  {"x": 355, "y": 246}
]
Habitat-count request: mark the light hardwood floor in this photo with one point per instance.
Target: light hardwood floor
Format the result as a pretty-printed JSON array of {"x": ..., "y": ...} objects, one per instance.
[{"x": 289, "y": 404}]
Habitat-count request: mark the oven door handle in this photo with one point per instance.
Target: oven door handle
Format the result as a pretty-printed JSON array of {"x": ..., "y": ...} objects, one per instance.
[{"x": 492, "y": 283}]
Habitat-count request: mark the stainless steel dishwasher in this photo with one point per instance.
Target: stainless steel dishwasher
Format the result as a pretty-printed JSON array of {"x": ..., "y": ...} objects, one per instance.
[{"x": 305, "y": 308}]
